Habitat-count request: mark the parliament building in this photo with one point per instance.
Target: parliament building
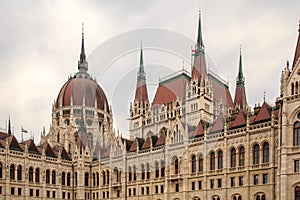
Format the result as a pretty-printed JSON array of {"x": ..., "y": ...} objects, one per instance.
[{"x": 193, "y": 141}]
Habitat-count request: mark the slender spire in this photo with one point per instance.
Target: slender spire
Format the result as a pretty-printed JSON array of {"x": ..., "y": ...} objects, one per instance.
[
  {"x": 82, "y": 63},
  {"x": 9, "y": 126},
  {"x": 200, "y": 45},
  {"x": 141, "y": 94},
  {"x": 297, "y": 51},
  {"x": 141, "y": 73},
  {"x": 240, "y": 79},
  {"x": 240, "y": 99}
]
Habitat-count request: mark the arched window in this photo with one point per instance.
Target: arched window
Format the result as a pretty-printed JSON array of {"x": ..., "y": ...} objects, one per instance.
[
  {"x": 266, "y": 152},
  {"x": 116, "y": 173},
  {"x": 134, "y": 172},
  {"x": 233, "y": 157},
  {"x": 176, "y": 165},
  {"x": 200, "y": 162},
  {"x": 220, "y": 159},
  {"x": 296, "y": 138},
  {"x": 75, "y": 178},
  {"x": 156, "y": 169},
  {"x": 103, "y": 178},
  {"x": 148, "y": 170},
  {"x": 256, "y": 154},
  {"x": 63, "y": 178},
  {"x": 297, "y": 193},
  {"x": 258, "y": 197},
  {"x": 97, "y": 176},
  {"x": 53, "y": 177},
  {"x": 212, "y": 161},
  {"x": 193, "y": 158},
  {"x": 19, "y": 173},
  {"x": 107, "y": 180},
  {"x": 239, "y": 198},
  {"x": 12, "y": 172},
  {"x": 129, "y": 173},
  {"x": 143, "y": 171},
  {"x": 296, "y": 88},
  {"x": 37, "y": 175},
  {"x": 30, "y": 175},
  {"x": 48, "y": 176},
  {"x": 86, "y": 179},
  {"x": 241, "y": 156},
  {"x": 263, "y": 197},
  {"x": 292, "y": 89},
  {"x": 162, "y": 168},
  {"x": 1, "y": 169},
  {"x": 68, "y": 179},
  {"x": 94, "y": 179}
]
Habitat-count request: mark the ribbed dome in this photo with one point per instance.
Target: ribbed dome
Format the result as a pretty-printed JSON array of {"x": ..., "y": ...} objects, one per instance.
[{"x": 79, "y": 88}]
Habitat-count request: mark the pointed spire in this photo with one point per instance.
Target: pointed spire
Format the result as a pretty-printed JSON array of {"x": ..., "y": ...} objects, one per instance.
[
  {"x": 82, "y": 63},
  {"x": 9, "y": 126},
  {"x": 240, "y": 100},
  {"x": 141, "y": 94},
  {"x": 199, "y": 68},
  {"x": 141, "y": 73},
  {"x": 240, "y": 79},
  {"x": 200, "y": 45},
  {"x": 297, "y": 51}
]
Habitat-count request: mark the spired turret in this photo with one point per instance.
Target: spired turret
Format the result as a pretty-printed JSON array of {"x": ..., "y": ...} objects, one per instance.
[{"x": 140, "y": 106}]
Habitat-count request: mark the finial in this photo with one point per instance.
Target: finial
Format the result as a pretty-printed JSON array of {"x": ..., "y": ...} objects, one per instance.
[
  {"x": 141, "y": 44},
  {"x": 299, "y": 26},
  {"x": 264, "y": 96},
  {"x": 82, "y": 29},
  {"x": 82, "y": 63},
  {"x": 9, "y": 126}
]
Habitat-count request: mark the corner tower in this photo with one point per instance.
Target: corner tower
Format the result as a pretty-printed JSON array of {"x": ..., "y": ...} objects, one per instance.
[
  {"x": 199, "y": 71},
  {"x": 140, "y": 107},
  {"x": 240, "y": 100}
]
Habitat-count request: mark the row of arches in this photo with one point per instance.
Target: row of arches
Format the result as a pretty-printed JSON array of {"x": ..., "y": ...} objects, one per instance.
[{"x": 236, "y": 157}]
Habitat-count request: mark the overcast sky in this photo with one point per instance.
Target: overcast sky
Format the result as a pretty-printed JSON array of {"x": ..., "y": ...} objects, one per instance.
[{"x": 40, "y": 45}]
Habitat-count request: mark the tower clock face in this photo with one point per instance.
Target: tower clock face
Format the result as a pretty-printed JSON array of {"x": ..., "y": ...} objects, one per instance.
[{"x": 89, "y": 122}]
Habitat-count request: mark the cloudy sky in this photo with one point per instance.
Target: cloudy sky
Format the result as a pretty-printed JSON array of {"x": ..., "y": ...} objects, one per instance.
[{"x": 40, "y": 44}]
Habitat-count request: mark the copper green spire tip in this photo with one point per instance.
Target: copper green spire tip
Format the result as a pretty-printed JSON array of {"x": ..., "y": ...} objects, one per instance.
[
  {"x": 240, "y": 79},
  {"x": 200, "y": 45}
]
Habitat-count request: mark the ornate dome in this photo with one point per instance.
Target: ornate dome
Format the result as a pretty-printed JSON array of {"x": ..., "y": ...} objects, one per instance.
[{"x": 81, "y": 90}]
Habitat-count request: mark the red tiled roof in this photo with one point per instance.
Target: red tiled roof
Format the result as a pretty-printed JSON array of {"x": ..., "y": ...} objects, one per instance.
[
  {"x": 199, "y": 130},
  {"x": 199, "y": 68},
  {"x": 297, "y": 51},
  {"x": 168, "y": 91},
  {"x": 221, "y": 92},
  {"x": 48, "y": 150},
  {"x": 3, "y": 135},
  {"x": 147, "y": 143},
  {"x": 252, "y": 118},
  {"x": 161, "y": 140},
  {"x": 240, "y": 97},
  {"x": 264, "y": 113},
  {"x": 239, "y": 120},
  {"x": 78, "y": 88},
  {"x": 13, "y": 143},
  {"x": 31, "y": 147},
  {"x": 141, "y": 94},
  {"x": 218, "y": 125}
]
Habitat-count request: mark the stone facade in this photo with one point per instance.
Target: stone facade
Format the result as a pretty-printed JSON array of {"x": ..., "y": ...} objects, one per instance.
[{"x": 192, "y": 142}]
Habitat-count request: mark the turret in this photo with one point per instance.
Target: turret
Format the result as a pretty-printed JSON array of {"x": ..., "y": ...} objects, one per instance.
[
  {"x": 199, "y": 68},
  {"x": 240, "y": 100}
]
